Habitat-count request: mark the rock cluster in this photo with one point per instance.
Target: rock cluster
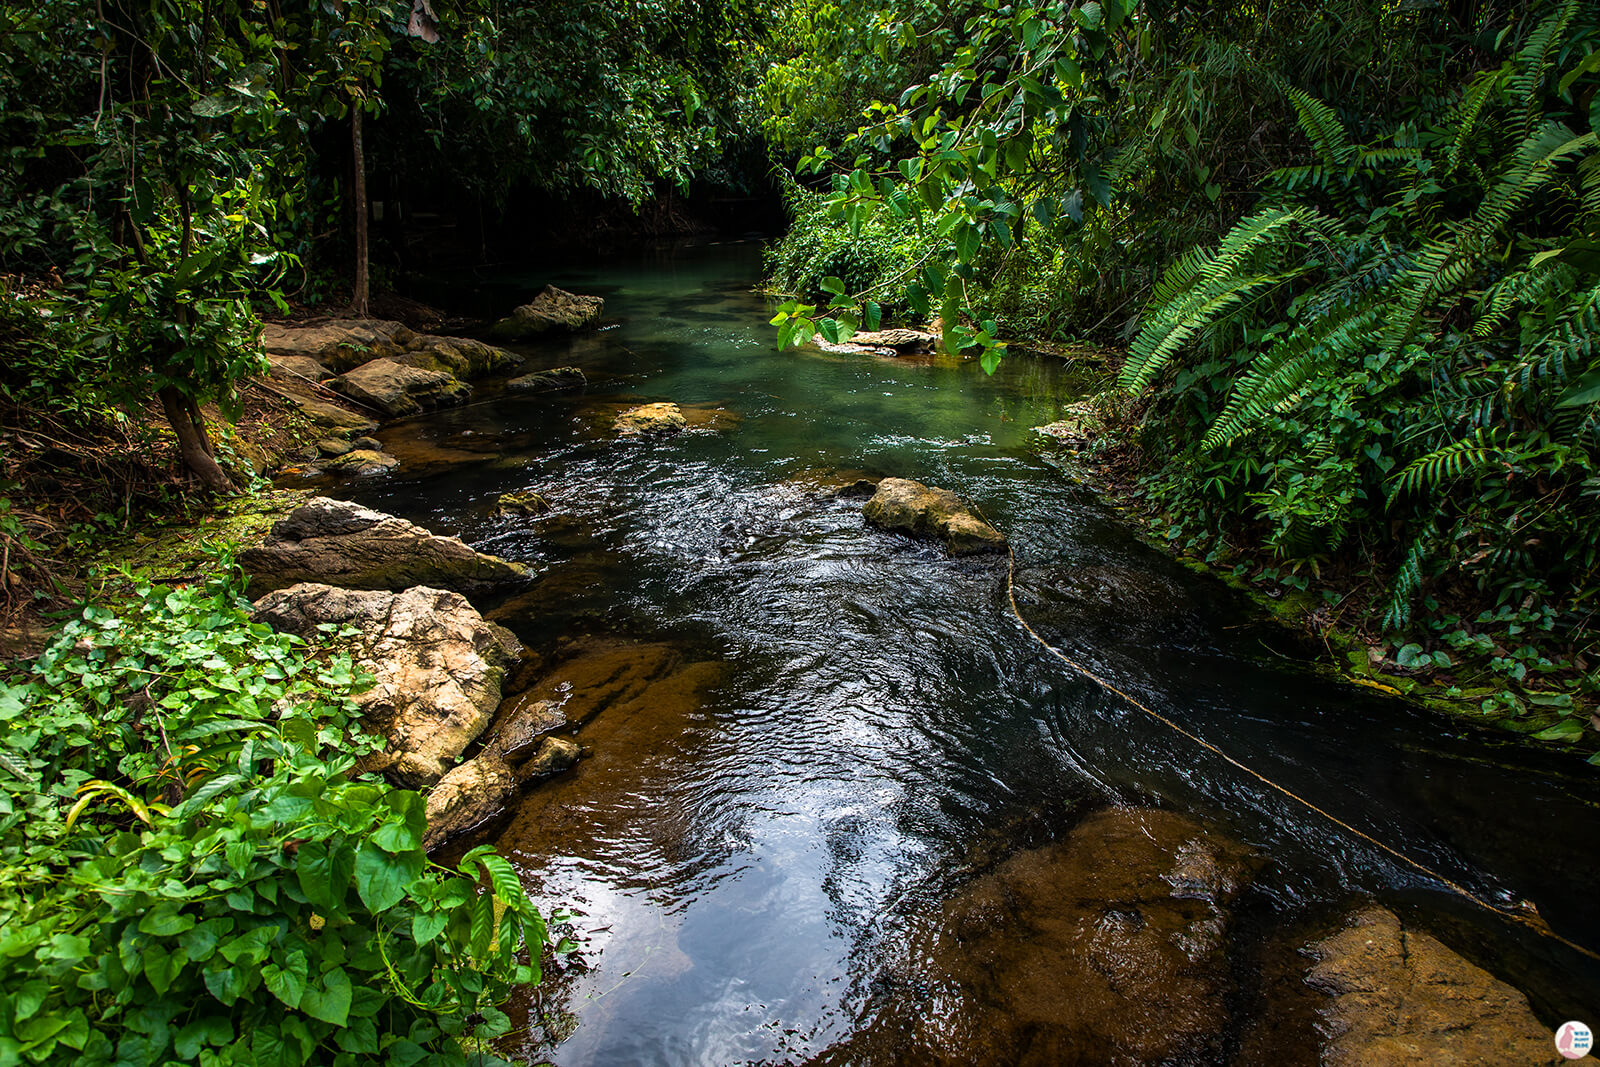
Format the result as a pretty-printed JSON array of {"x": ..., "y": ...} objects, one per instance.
[
  {"x": 553, "y": 310},
  {"x": 932, "y": 513}
]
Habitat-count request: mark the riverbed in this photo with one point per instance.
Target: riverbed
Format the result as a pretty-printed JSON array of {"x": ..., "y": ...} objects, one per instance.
[{"x": 806, "y": 740}]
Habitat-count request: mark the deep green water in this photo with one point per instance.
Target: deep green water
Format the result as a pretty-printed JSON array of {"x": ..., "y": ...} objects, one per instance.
[{"x": 746, "y": 865}]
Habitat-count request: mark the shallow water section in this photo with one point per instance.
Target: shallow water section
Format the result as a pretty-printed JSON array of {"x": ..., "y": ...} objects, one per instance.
[{"x": 815, "y": 752}]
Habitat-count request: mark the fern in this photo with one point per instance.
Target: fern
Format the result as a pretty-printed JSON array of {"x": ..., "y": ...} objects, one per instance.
[
  {"x": 1446, "y": 464},
  {"x": 1536, "y": 59},
  {"x": 1278, "y": 374},
  {"x": 1407, "y": 581},
  {"x": 1467, "y": 113},
  {"x": 1323, "y": 129},
  {"x": 1203, "y": 284}
]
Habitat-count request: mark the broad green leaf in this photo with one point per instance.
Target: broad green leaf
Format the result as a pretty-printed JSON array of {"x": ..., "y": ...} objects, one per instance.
[
  {"x": 328, "y": 998},
  {"x": 381, "y": 878}
]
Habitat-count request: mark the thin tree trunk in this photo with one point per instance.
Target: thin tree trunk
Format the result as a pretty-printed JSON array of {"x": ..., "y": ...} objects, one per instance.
[
  {"x": 360, "y": 298},
  {"x": 193, "y": 443}
]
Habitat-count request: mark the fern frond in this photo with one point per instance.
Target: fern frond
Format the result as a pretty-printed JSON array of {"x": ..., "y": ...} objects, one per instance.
[
  {"x": 1446, "y": 464},
  {"x": 1323, "y": 129},
  {"x": 1536, "y": 58},
  {"x": 1407, "y": 581},
  {"x": 1158, "y": 340},
  {"x": 1467, "y": 112},
  {"x": 1276, "y": 377}
]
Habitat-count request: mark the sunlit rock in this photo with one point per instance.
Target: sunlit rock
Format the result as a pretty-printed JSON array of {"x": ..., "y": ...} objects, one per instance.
[
  {"x": 436, "y": 663},
  {"x": 651, "y": 419},
  {"x": 932, "y": 513},
  {"x": 553, "y": 310}
]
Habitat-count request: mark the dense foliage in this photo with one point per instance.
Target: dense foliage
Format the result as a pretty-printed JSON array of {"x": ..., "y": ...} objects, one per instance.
[
  {"x": 1353, "y": 250},
  {"x": 191, "y": 868}
]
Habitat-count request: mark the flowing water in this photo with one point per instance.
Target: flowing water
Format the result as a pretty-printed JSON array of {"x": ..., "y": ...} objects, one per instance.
[{"x": 807, "y": 741}]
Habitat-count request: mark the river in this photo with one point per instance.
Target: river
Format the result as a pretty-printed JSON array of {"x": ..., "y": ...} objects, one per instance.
[{"x": 805, "y": 738}]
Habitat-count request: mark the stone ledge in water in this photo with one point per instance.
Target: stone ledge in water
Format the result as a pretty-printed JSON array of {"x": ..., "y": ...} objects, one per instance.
[
  {"x": 932, "y": 513},
  {"x": 523, "y": 503},
  {"x": 553, "y": 310},
  {"x": 1400, "y": 996},
  {"x": 342, "y": 543},
  {"x": 651, "y": 419},
  {"x": 437, "y": 665},
  {"x": 554, "y": 380}
]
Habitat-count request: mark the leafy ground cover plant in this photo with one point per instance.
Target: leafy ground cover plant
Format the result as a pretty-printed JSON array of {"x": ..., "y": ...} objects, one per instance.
[{"x": 193, "y": 869}]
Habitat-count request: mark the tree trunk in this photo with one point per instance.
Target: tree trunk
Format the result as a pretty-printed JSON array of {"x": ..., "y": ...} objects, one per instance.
[
  {"x": 359, "y": 299},
  {"x": 193, "y": 444}
]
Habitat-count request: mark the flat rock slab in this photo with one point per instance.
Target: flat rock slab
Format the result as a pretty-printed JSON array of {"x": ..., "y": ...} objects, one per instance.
[
  {"x": 398, "y": 390},
  {"x": 552, "y": 311},
  {"x": 1399, "y": 996},
  {"x": 336, "y": 541},
  {"x": 904, "y": 342},
  {"x": 361, "y": 461},
  {"x": 338, "y": 344},
  {"x": 554, "y": 380},
  {"x": 436, "y": 662},
  {"x": 333, "y": 417},
  {"x": 931, "y": 513}
]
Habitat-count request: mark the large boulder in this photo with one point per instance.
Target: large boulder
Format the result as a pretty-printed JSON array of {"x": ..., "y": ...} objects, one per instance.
[
  {"x": 553, "y": 310},
  {"x": 398, "y": 390},
  {"x": 338, "y": 542},
  {"x": 932, "y": 513},
  {"x": 436, "y": 662},
  {"x": 457, "y": 356},
  {"x": 1399, "y": 996}
]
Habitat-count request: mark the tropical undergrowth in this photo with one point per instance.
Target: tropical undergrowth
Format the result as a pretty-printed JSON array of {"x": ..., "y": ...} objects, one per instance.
[
  {"x": 193, "y": 868},
  {"x": 1390, "y": 367}
]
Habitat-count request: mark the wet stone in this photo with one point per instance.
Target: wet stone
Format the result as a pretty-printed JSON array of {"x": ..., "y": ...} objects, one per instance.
[
  {"x": 523, "y": 722},
  {"x": 335, "y": 446},
  {"x": 1107, "y": 947}
]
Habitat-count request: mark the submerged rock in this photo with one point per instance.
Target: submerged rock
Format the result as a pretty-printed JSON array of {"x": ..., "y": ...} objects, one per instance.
[
  {"x": 1080, "y": 424},
  {"x": 436, "y": 663},
  {"x": 339, "y": 542},
  {"x": 555, "y": 755},
  {"x": 552, "y": 310},
  {"x": 1108, "y": 947},
  {"x": 525, "y": 502},
  {"x": 651, "y": 419},
  {"x": 1399, "y": 996},
  {"x": 398, "y": 390},
  {"x": 933, "y": 513},
  {"x": 523, "y": 722},
  {"x": 549, "y": 381},
  {"x": 468, "y": 796}
]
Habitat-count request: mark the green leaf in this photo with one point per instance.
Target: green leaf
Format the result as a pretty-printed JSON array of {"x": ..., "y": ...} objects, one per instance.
[
  {"x": 426, "y": 925},
  {"x": 324, "y": 873},
  {"x": 381, "y": 879},
  {"x": 288, "y": 982},
  {"x": 165, "y": 920},
  {"x": 1565, "y": 730},
  {"x": 833, "y": 285},
  {"x": 328, "y": 999}
]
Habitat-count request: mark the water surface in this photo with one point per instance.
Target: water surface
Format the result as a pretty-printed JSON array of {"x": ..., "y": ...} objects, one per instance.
[{"x": 805, "y": 736}]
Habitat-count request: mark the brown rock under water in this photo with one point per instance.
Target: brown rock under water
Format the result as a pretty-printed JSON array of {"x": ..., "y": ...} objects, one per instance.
[
  {"x": 1108, "y": 947},
  {"x": 1400, "y": 997}
]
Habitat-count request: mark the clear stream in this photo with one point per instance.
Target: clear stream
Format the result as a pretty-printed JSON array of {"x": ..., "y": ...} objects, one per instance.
[{"x": 803, "y": 736}]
